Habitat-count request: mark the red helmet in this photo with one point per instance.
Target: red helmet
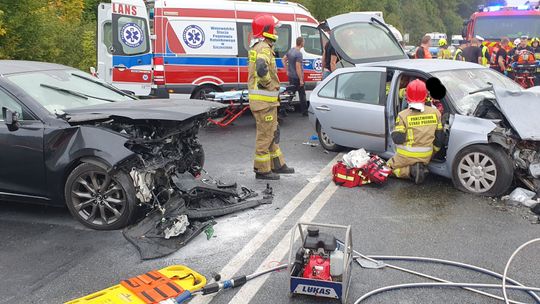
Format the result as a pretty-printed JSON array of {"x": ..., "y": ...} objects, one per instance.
[
  {"x": 264, "y": 26},
  {"x": 416, "y": 91}
]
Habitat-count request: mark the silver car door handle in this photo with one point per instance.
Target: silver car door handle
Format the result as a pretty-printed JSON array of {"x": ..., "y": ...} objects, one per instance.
[{"x": 323, "y": 108}]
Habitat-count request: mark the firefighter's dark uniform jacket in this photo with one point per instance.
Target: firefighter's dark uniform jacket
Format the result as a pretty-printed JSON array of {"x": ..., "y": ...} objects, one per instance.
[
  {"x": 263, "y": 86},
  {"x": 417, "y": 135}
]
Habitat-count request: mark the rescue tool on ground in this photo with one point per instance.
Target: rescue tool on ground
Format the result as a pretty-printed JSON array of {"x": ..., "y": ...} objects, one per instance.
[{"x": 321, "y": 266}]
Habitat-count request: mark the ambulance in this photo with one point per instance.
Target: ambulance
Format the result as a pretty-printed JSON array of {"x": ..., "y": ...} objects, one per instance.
[{"x": 155, "y": 48}]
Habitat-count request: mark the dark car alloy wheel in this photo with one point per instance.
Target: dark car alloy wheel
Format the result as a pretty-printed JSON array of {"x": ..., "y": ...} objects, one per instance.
[{"x": 97, "y": 199}]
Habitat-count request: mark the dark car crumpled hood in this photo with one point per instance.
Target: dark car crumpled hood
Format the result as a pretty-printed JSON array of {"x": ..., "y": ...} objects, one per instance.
[
  {"x": 153, "y": 109},
  {"x": 521, "y": 109}
]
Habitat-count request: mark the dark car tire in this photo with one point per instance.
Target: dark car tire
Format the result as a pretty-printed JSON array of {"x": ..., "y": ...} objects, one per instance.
[
  {"x": 98, "y": 203},
  {"x": 485, "y": 170},
  {"x": 325, "y": 140},
  {"x": 200, "y": 92}
]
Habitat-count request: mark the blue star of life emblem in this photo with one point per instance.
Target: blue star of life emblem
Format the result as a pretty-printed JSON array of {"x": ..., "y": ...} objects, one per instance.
[
  {"x": 132, "y": 35},
  {"x": 193, "y": 36}
]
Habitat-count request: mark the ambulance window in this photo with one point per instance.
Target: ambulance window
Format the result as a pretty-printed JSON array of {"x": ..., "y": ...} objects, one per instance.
[
  {"x": 107, "y": 36},
  {"x": 312, "y": 40},
  {"x": 131, "y": 35},
  {"x": 244, "y": 36},
  {"x": 284, "y": 41}
]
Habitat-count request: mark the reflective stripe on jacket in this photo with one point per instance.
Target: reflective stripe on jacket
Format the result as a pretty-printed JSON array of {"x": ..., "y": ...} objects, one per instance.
[
  {"x": 419, "y": 129},
  {"x": 263, "y": 89},
  {"x": 458, "y": 55},
  {"x": 485, "y": 55}
]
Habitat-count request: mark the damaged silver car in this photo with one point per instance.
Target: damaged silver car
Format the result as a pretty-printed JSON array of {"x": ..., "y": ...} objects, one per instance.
[
  {"x": 491, "y": 123},
  {"x": 69, "y": 138}
]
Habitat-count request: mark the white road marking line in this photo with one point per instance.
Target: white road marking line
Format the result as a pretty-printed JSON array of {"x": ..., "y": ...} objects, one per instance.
[
  {"x": 248, "y": 291},
  {"x": 268, "y": 230}
]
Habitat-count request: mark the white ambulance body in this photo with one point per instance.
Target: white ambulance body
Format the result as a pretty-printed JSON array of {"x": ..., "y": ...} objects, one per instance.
[{"x": 191, "y": 47}]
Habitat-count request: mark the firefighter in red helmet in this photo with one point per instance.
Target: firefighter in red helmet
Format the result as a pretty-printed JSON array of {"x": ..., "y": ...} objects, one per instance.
[
  {"x": 418, "y": 134},
  {"x": 263, "y": 86}
]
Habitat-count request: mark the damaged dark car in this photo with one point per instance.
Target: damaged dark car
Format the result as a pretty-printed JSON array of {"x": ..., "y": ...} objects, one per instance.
[{"x": 69, "y": 138}]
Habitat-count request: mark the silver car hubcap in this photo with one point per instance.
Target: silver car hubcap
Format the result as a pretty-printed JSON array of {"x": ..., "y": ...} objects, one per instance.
[
  {"x": 477, "y": 172},
  {"x": 97, "y": 198},
  {"x": 326, "y": 139}
]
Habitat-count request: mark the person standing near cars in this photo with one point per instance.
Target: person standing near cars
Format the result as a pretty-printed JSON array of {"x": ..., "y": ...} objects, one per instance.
[
  {"x": 499, "y": 56},
  {"x": 263, "y": 87},
  {"x": 422, "y": 52},
  {"x": 293, "y": 60},
  {"x": 444, "y": 52},
  {"x": 418, "y": 134},
  {"x": 472, "y": 52},
  {"x": 329, "y": 58}
]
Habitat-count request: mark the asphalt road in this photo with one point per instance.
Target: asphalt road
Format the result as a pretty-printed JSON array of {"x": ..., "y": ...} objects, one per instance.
[{"x": 47, "y": 257}]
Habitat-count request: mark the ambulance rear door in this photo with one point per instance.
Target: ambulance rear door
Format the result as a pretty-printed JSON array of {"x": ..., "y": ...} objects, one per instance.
[
  {"x": 312, "y": 53},
  {"x": 131, "y": 51}
]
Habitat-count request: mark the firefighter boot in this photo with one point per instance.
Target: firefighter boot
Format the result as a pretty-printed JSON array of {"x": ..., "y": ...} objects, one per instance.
[
  {"x": 419, "y": 172},
  {"x": 284, "y": 170},
  {"x": 266, "y": 175}
]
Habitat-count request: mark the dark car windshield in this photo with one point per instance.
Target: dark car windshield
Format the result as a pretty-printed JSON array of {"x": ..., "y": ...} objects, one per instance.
[
  {"x": 57, "y": 90},
  {"x": 495, "y": 27},
  {"x": 460, "y": 83}
]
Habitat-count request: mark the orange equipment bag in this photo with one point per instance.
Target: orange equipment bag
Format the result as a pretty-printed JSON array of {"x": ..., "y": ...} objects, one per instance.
[{"x": 348, "y": 177}]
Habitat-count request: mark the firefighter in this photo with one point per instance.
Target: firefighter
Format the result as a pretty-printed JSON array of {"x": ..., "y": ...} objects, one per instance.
[
  {"x": 484, "y": 51},
  {"x": 444, "y": 52},
  {"x": 263, "y": 86},
  {"x": 499, "y": 56},
  {"x": 458, "y": 54},
  {"x": 418, "y": 134}
]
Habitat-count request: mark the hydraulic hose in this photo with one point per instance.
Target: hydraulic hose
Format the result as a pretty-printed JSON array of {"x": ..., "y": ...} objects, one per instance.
[
  {"x": 222, "y": 285},
  {"x": 451, "y": 285},
  {"x": 439, "y": 280},
  {"x": 457, "y": 264},
  {"x": 504, "y": 278}
]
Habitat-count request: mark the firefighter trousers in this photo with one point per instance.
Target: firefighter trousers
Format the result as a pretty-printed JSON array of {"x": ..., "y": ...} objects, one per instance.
[
  {"x": 401, "y": 165},
  {"x": 268, "y": 156}
]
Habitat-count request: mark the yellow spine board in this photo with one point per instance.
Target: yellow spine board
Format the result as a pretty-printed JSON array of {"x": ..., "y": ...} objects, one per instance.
[{"x": 182, "y": 276}]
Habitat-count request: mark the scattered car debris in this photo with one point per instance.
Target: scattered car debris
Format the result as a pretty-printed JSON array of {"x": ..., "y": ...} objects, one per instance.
[
  {"x": 192, "y": 204},
  {"x": 520, "y": 195}
]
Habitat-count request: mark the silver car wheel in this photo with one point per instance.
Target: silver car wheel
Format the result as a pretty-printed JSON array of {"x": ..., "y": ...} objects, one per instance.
[
  {"x": 477, "y": 172},
  {"x": 326, "y": 139}
]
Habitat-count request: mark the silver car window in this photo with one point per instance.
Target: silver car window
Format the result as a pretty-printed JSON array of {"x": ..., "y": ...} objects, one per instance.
[
  {"x": 329, "y": 89},
  {"x": 363, "y": 87},
  {"x": 460, "y": 83}
]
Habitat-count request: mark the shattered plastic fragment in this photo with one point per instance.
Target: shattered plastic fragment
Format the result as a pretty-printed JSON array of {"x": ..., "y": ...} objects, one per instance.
[
  {"x": 178, "y": 227},
  {"x": 209, "y": 231},
  {"x": 519, "y": 195}
]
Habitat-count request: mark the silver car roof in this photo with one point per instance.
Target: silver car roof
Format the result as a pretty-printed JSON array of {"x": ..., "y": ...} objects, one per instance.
[{"x": 425, "y": 65}]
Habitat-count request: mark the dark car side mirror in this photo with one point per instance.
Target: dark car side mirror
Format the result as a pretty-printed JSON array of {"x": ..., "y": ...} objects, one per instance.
[{"x": 11, "y": 119}]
